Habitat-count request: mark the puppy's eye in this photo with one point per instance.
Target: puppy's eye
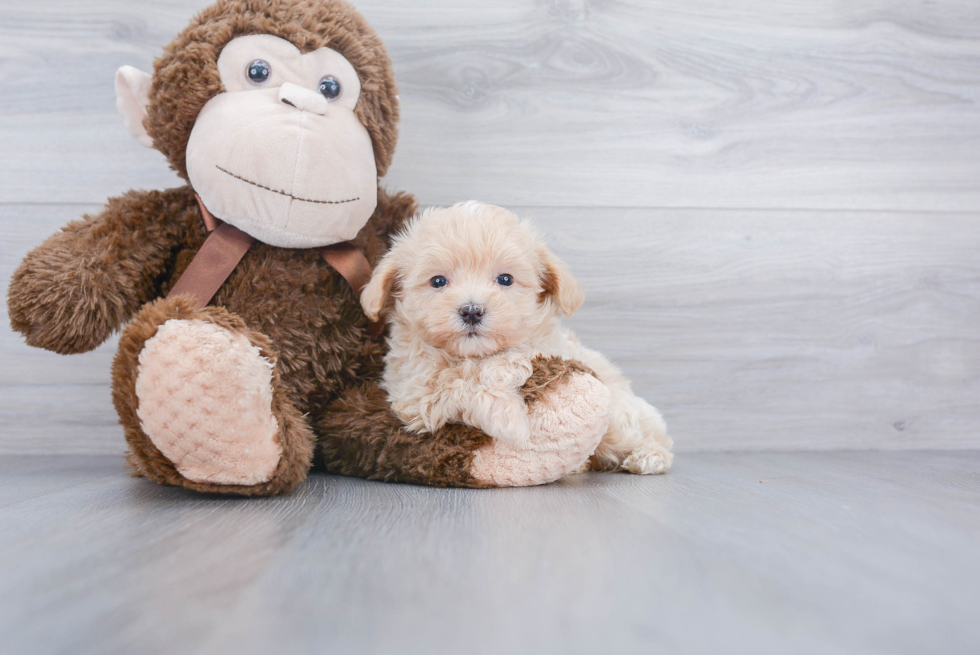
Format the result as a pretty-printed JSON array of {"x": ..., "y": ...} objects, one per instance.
[
  {"x": 438, "y": 282},
  {"x": 505, "y": 280},
  {"x": 259, "y": 72}
]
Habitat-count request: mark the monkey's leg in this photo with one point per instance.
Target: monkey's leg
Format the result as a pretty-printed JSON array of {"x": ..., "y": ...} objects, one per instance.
[
  {"x": 568, "y": 410},
  {"x": 201, "y": 403}
]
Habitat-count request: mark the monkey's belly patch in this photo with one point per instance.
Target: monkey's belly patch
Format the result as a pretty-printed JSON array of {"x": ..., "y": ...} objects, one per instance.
[
  {"x": 205, "y": 401},
  {"x": 567, "y": 425}
]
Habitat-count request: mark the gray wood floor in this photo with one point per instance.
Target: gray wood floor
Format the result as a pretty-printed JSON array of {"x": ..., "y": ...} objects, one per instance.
[{"x": 729, "y": 553}]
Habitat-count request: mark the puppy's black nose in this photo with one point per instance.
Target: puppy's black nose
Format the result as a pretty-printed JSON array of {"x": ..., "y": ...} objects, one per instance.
[{"x": 472, "y": 314}]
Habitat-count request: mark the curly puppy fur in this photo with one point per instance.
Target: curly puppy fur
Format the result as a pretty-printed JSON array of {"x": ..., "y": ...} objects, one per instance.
[{"x": 475, "y": 296}]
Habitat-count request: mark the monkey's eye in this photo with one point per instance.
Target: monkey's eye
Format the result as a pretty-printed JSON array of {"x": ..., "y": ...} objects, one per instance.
[
  {"x": 329, "y": 87},
  {"x": 438, "y": 282},
  {"x": 259, "y": 72},
  {"x": 505, "y": 280}
]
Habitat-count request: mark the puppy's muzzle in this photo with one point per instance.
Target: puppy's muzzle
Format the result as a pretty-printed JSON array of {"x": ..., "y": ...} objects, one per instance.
[{"x": 471, "y": 314}]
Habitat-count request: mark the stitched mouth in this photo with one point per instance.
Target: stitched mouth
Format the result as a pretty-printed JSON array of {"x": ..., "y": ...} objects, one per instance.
[{"x": 283, "y": 193}]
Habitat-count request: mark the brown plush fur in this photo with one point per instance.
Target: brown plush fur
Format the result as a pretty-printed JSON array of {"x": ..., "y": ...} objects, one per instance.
[
  {"x": 361, "y": 437},
  {"x": 549, "y": 372},
  {"x": 83, "y": 283},
  {"x": 186, "y": 75}
]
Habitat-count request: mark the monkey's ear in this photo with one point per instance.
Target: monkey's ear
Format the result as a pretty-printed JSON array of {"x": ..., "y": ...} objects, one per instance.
[
  {"x": 375, "y": 294},
  {"x": 132, "y": 96},
  {"x": 558, "y": 283}
]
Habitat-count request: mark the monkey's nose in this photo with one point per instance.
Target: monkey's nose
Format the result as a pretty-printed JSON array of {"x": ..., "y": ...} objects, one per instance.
[
  {"x": 303, "y": 99},
  {"x": 471, "y": 314}
]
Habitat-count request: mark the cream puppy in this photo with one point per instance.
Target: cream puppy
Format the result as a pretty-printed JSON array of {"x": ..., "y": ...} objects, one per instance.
[{"x": 472, "y": 295}]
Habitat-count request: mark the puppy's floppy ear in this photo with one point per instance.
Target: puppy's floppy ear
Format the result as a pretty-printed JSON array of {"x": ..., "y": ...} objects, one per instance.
[
  {"x": 558, "y": 283},
  {"x": 375, "y": 293}
]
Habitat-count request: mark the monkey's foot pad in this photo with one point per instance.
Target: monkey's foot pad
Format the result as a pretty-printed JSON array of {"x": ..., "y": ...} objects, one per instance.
[
  {"x": 205, "y": 401},
  {"x": 566, "y": 426}
]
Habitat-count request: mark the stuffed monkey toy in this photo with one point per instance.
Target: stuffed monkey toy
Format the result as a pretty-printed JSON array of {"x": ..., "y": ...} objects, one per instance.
[{"x": 245, "y": 359}]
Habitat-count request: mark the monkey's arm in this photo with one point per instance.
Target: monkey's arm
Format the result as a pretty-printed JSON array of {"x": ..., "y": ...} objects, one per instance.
[
  {"x": 71, "y": 292},
  {"x": 569, "y": 409},
  {"x": 360, "y": 436}
]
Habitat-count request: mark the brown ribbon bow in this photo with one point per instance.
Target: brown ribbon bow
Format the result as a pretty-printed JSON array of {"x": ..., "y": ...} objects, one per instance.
[{"x": 225, "y": 247}]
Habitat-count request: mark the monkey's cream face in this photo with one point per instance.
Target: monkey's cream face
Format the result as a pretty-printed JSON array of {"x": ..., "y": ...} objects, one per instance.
[{"x": 281, "y": 154}]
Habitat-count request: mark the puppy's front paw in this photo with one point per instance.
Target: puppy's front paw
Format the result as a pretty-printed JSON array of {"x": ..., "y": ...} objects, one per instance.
[
  {"x": 506, "y": 372},
  {"x": 517, "y": 431},
  {"x": 508, "y": 422},
  {"x": 647, "y": 461},
  {"x": 416, "y": 418}
]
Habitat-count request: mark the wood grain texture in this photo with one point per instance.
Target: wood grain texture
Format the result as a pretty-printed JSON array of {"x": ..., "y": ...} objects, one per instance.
[
  {"x": 830, "y": 553},
  {"x": 752, "y": 329},
  {"x": 756, "y": 330},
  {"x": 803, "y": 104},
  {"x": 748, "y": 329}
]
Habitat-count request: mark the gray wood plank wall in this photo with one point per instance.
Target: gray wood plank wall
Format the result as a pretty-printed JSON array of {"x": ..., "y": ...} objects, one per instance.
[{"x": 773, "y": 207}]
